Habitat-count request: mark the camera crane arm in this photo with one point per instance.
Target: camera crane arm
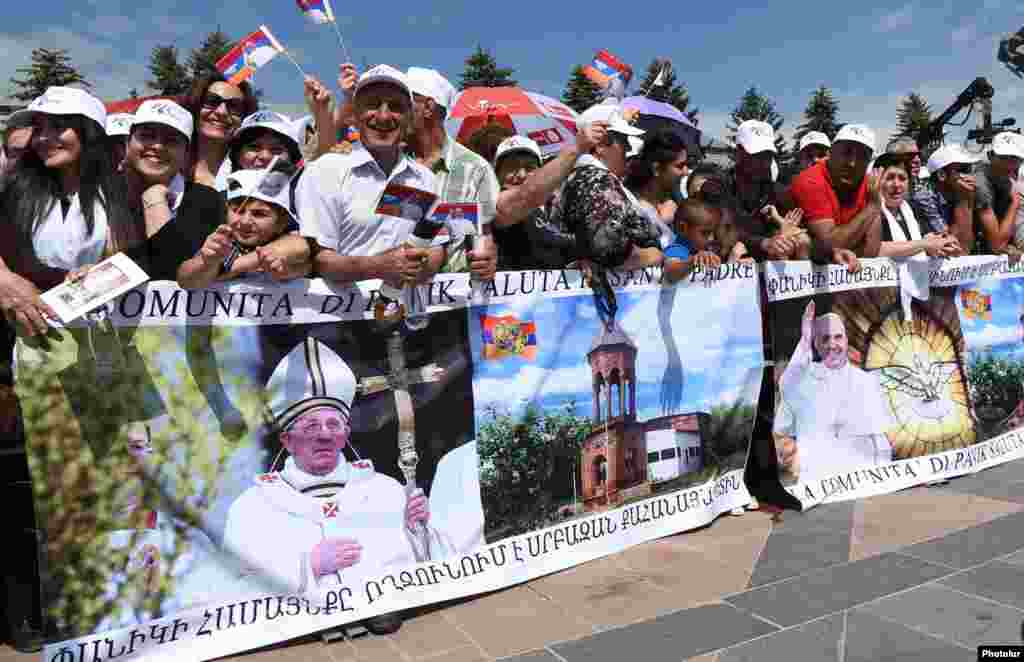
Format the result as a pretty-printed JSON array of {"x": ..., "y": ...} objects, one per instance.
[{"x": 980, "y": 89}]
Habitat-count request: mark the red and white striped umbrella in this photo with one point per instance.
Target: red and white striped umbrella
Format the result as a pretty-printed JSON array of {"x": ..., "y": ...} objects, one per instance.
[{"x": 550, "y": 123}]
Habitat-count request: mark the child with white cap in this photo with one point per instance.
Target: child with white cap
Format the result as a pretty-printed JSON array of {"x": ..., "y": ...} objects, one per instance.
[{"x": 259, "y": 212}]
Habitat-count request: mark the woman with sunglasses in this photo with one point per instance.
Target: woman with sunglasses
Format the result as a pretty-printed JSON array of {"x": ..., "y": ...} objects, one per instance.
[
  {"x": 217, "y": 108},
  {"x": 64, "y": 206},
  {"x": 525, "y": 236}
]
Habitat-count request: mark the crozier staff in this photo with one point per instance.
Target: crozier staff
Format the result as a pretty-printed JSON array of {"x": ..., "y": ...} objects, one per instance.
[{"x": 322, "y": 521}]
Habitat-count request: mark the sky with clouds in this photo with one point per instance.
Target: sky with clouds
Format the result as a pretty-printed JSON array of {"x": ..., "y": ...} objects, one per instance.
[
  {"x": 870, "y": 54},
  {"x": 1002, "y": 334},
  {"x": 719, "y": 352}
]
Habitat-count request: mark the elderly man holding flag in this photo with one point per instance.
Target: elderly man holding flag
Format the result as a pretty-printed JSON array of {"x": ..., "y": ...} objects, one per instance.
[{"x": 337, "y": 197}]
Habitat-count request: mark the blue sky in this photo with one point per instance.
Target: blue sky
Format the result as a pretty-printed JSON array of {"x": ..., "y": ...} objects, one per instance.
[
  {"x": 870, "y": 54},
  {"x": 717, "y": 366},
  {"x": 1000, "y": 335}
]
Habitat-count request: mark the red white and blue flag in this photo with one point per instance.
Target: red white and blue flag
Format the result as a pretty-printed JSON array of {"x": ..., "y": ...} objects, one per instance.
[
  {"x": 248, "y": 55},
  {"x": 606, "y": 67},
  {"x": 318, "y": 11}
]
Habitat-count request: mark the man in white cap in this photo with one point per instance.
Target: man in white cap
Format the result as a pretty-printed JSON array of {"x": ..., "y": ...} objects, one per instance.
[
  {"x": 756, "y": 203},
  {"x": 336, "y": 199},
  {"x": 814, "y": 147},
  {"x": 946, "y": 202},
  {"x": 461, "y": 174},
  {"x": 837, "y": 412},
  {"x": 840, "y": 199},
  {"x": 322, "y": 521},
  {"x": 997, "y": 201}
]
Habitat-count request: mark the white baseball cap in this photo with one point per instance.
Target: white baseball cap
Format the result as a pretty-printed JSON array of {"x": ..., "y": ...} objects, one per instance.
[
  {"x": 119, "y": 124},
  {"x": 166, "y": 112},
  {"x": 70, "y": 101},
  {"x": 947, "y": 155},
  {"x": 814, "y": 138},
  {"x": 384, "y": 73},
  {"x": 1008, "y": 143},
  {"x": 430, "y": 83},
  {"x": 609, "y": 111},
  {"x": 755, "y": 136},
  {"x": 636, "y": 145},
  {"x": 517, "y": 144},
  {"x": 858, "y": 133},
  {"x": 271, "y": 187},
  {"x": 271, "y": 121}
]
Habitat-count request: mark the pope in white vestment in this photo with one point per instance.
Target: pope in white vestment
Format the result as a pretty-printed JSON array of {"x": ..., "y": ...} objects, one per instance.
[
  {"x": 322, "y": 521},
  {"x": 837, "y": 412}
]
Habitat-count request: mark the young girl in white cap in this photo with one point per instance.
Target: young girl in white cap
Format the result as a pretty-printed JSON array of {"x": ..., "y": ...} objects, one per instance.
[
  {"x": 63, "y": 207},
  {"x": 259, "y": 213}
]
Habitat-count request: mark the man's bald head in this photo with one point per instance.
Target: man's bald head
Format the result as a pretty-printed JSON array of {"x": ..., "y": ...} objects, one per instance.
[{"x": 830, "y": 340}]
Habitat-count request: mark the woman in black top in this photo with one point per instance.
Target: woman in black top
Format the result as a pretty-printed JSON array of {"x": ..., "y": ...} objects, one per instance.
[{"x": 901, "y": 233}]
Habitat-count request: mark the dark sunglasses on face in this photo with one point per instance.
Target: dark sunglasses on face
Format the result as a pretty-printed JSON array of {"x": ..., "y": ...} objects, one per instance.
[
  {"x": 961, "y": 168},
  {"x": 213, "y": 101}
]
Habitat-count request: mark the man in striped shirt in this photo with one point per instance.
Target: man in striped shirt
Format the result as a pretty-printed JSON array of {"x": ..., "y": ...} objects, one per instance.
[{"x": 460, "y": 174}]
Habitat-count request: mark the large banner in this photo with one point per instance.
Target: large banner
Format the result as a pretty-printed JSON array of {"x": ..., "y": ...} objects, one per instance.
[
  {"x": 222, "y": 469},
  {"x": 902, "y": 374}
]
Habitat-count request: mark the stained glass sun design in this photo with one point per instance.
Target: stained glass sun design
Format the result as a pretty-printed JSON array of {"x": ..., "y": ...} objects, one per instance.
[{"x": 924, "y": 383}]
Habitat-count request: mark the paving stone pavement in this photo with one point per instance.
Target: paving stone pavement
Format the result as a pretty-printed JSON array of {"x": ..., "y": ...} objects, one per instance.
[{"x": 925, "y": 574}]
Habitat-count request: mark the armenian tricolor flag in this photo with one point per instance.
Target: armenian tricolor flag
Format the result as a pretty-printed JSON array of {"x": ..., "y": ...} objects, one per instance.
[
  {"x": 508, "y": 336},
  {"x": 248, "y": 55},
  {"x": 605, "y": 67},
  {"x": 977, "y": 305},
  {"x": 318, "y": 11}
]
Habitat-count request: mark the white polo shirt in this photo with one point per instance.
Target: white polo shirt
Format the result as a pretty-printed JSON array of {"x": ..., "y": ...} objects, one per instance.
[
  {"x": 337, "y": 197},
  {"x": 65, "y": 242}
]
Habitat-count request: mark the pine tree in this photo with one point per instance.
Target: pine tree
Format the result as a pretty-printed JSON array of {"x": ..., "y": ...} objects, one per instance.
[
  {"x": 49, "y": 68},
  {"x": 913, "y": 115},
  {"x": 820, "y": 115},
  {"x": 755, "y": 106},
  {"x": 203, "y": 60},
  {"x": 482, "y": 71},
  {"x": 581, "y": 92},
  {"x": 667, "y": 91},
  {"x": 169, "y": 76}
]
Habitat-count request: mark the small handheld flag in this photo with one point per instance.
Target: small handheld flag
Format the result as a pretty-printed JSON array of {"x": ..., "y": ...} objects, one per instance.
[
  {"x": 606, "y": 66},
  {"x": 315, "y": 10},
  {"x": 281, "y": 49},
  {"x": 248, "y": 55}
]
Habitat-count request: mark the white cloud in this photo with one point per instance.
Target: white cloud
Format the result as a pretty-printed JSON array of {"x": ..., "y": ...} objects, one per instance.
[
  {"x": 993, "y": 336},
  {"x": 896, "y": 20},
  {"x": 532, "y": 381}
]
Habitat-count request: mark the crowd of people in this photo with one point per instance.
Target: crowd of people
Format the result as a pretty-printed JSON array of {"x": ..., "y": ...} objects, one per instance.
[
  {"x": 209, "y": 188},
  {"x": 184, "y": 190}
]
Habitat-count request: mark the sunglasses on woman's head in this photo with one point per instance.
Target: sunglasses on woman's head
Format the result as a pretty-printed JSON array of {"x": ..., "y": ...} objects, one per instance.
[{"x": 213, "y": 101}]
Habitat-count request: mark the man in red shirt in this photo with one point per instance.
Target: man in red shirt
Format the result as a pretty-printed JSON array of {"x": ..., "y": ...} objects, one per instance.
[{"x": 839, "y": 197}]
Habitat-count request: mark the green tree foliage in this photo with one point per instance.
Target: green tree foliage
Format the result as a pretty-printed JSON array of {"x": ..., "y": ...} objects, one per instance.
[
  {"x": 580, "y": 92},
  {"x": 170, "y": 77},
  {"x": 821, "y": 114},
  {"x": 996, "y": 386},
  {"x": 49, "y": 68},
  {"x": 203, "y": 60},
  {"x": 482, "y": 71},
  {"x": 667, "y": 91},
  {"x": 913, "y": 115},
  {"x": 527, "y": 465},
  {"x": 756, "y": 106}
]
